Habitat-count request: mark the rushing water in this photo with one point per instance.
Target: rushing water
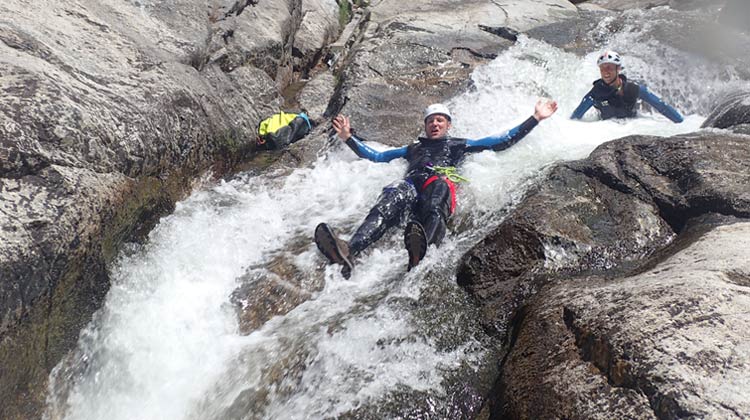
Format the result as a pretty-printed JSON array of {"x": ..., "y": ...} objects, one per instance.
[{"x": 166, "y": 344}]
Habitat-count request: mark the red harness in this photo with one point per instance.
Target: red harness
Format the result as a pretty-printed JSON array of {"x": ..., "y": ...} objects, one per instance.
[{"x": 451, "y": 186}]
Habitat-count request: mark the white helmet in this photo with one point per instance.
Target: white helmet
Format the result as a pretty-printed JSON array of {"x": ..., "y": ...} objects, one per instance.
[
  {"x": 437, "y": 109},
  {"x": 609, "y": 57}
]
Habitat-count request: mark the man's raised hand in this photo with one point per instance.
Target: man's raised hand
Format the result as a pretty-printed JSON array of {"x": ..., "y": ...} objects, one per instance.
[
  {"x": 342, "y": 127},
  {"x": 544, "y": 109}
]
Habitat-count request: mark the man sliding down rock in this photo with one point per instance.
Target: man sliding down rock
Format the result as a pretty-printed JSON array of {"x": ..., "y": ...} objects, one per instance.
[{"x": 427, "y": 192}]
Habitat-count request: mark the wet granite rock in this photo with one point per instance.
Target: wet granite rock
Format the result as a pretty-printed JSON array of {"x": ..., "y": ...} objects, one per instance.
[
  {"x": 732, "y": 112},
  {"x": 577, "y": 35},
  {"x": 629, "y": 199},
  {"x": 319, "y": 27},
  {"x": 273, "y": 289},
  {"x": 669, "y": 342},
  {"x": 315, "y": 95},
  {"x": 619, "y": 213}
]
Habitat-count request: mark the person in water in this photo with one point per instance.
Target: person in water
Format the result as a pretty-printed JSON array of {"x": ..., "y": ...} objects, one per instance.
[
  {"x": 615, "y": 96},
  {"x": 427, "y": 193}
]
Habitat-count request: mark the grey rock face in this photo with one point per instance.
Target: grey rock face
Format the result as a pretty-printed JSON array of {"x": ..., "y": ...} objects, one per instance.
[
  {"x": 107, "y": 114},
  {"x": 733, "y": 111},
  {"x": 261, "y": 36},
  {"x": 616, "y": 213},
  {"x": 573, "y": 35},
  {"x": 319, "y": 26},
  {"x": 667, "y": 343},
  {"x": 315, "y": 95}
]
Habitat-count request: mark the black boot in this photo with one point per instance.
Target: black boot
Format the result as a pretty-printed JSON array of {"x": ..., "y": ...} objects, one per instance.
[
  {"x": 416, "y": 243},
  {"x": 335, "y": 249}
]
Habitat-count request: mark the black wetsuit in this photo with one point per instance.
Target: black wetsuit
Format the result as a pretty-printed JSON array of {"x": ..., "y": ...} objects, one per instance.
[
  {"x": 423, "y": 193},
  {"x": 612, "y": 103}
]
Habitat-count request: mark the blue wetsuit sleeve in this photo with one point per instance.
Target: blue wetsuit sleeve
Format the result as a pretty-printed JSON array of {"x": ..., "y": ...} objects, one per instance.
[
  {"x": 584, "y": 106},
  {"x": 660, "y": 106},
  {"x": 364, "y": 151},
  {"x": 505, "y": 140}
]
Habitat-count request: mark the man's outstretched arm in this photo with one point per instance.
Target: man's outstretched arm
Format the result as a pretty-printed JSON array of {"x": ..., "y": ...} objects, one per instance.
[
  {"x": 364, "y": 151},
  {"x": 542, "y": 110},
  {"x": 344, "y": 132},
  {"x": 660, "y": 105}
]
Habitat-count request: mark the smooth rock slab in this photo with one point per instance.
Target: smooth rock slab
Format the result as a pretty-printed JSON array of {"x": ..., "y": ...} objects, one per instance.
[{"x": 669, "y": 343}]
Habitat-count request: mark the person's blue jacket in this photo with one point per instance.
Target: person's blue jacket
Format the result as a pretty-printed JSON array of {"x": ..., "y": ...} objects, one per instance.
[{"x": 612, "y": 103}]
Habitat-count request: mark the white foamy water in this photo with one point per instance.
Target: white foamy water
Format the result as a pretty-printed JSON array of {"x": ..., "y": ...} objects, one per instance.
[{"x": 167, "y": 345}]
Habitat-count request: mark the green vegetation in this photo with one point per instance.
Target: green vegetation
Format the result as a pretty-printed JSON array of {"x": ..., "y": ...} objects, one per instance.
[{"x": 345, "y": 12}]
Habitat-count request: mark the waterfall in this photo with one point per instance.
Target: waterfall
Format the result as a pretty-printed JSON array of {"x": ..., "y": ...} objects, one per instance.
[{"x": 166, "y": 344}]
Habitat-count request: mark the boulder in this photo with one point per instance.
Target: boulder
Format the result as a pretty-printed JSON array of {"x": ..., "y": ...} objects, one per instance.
[
  {"x": 733, "y": 111},
  {"x": 606, "y": 220},
  {"x": 628, "y": 200},
  {"x": 669, "y": 342}
]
